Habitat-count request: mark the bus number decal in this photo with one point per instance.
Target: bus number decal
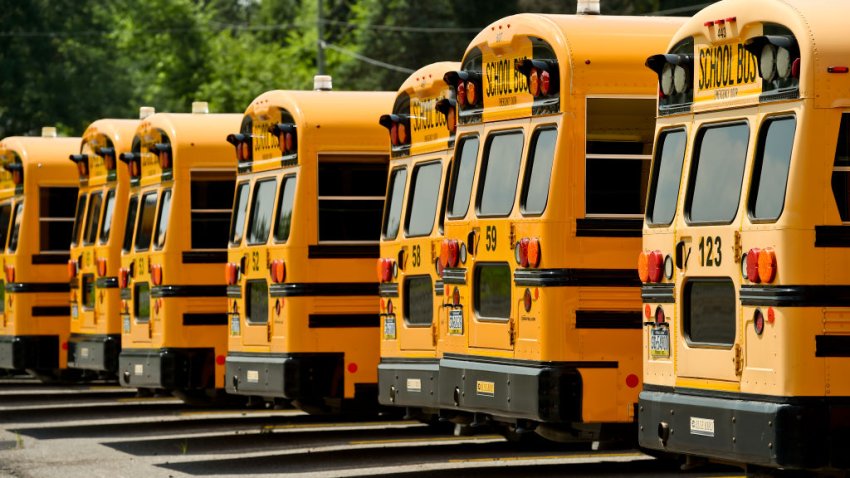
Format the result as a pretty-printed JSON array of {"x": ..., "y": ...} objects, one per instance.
[
  {"x": 255, "y": 260},
  {"x": 491, "y": 238},
  {"x": 709, "y": 251},
  {"x": 417, "y": 256}
]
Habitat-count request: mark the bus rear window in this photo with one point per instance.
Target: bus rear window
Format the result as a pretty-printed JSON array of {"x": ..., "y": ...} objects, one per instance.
[
  {"x": 351, "y": 198},
  {"x": 462, "y": 174},
  {"x": 258, "y": 301},
  {"x": 717, "y": 173},
  {"x": 56, "y": 218},
  {"x": 146, "y": 220},
  {"x": 392, "y": 215},
  {"x": 16, "y": 226},
  {"x": 262, "y": 207},
  {"x": 162, "y": 220},
  {"x": 78, "y": 219},
  {"x": 108, "y": 213},
  {"x": 499, "y": 174},
  {"x": 422, "y": 204},
  {"x": 538, "y": 173},
  {"x": 772, "y": 162},
  {"x": 142, "y": 301},
  {"x": 284, "y": 209},
  {"x": 5, "y": 216},
  {"x": 666, "y": 177},
  {"x": 92, "y": 218},
  {"x": 211, "y": 203},
  {"x": 132, "y": 211},
  {"x": 710, "y": 312},
  {"x": 492, "y": 296},
  {"x": 841, "y": 169},
  {"x": 418, "y": 301},
  {"x": 240, "y": 208}
]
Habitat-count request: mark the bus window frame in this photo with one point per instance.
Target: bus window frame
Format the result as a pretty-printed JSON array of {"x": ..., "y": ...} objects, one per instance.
[
  {"x": 476, "y": 297},
  {"x": 406, "y": 306},
  {"x": 456, "y": 163},
  {"x": 407, "y": 203},
  {"x": 349, "y": 158},
  {"x": 87, "y": 227},
  {"x": 656, "y": 166},
  {"x": 15, "y": 232},
  {"x": 130, "y": 224},
  {"x": 234, "y": 214},
  {"x": 441, "y": 213},
  {"x": 166, "y": 195},
  {"x": 52, "y": 191},
  {"x": 480, "y": 178},
  {"x": 111, "y": 193},
  {"x": 404, "y": 193},
  {"x": 79, "y": 218},
  {"x": 154, "y": 192},
  {"x": 758, "y": 163},
  {"x": 529, "y": 166},
  {"x": 5, "y": 234},
  {"x": 207, "y": 176},
  {"x": 250, "y": 214},
  {"x": 279, "y": 205}
]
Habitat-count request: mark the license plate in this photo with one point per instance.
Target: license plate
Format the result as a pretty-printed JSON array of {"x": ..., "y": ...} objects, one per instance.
[
  {"x": 389, "y": 327},
  {"x": 74, "y": 312},
  {"x": 659, "y": 342},
  {"x": 235, "y": 325},
  {"x": 126, "y": 323},
  {"x": 456, "y": 322}
]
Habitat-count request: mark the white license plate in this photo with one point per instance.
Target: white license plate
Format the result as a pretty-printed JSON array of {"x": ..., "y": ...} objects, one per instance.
[
  {"x": 389, "y": 327},
  {"x": 659, "y": 342},
  {"x": 235, "y": 325},
  {"x": 74, "y": 312},
  {"x": 456, "y": 322}
]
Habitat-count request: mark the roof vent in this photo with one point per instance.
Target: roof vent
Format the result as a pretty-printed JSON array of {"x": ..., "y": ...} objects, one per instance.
[
  {"x": 48, "y": 132},
  {"x": 322, "y": 83},
  {"x": 146, "y": 111},
  {"x": 587, "y": 7},
  {"x": 200, "y": 107}
]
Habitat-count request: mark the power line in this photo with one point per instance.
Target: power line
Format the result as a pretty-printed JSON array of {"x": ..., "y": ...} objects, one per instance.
[{"x": 366, "y": 59}]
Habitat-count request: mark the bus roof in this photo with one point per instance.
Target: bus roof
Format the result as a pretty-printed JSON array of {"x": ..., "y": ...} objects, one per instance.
[
  {"x": 35, "y": 152},
  {"x": 817, "y": 25},
  {"x": 119, "y": 132}
]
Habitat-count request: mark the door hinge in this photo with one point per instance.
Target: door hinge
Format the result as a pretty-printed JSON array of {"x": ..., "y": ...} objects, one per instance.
[
  {"x": 738, "y": 248},
  {"x": 739, "y": 359}
]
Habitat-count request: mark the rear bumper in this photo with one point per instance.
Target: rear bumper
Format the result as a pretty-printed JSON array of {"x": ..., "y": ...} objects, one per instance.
[
  {"x": 94, "y": 352},
  {"x": 794, "y": 433},
  {"x": 168, "y": 368},
  {"x": 408, "y": 382},
  {"x": 539, "y": 391},
  {"x": 291, "y": 376},
  {"x": 31, "y": 352}
]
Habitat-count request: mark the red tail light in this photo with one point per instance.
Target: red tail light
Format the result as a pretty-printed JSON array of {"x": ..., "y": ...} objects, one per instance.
[
  {"x": 643, "y": 267},
  {"x": 767, "y": 265},
  {"x": 231, "y": 273},
  {"x": 385, "y": 270},
  {"x": 123, "y": 277},
  {"x": 456, "y": 297},
  {"x": 394, "y": 134},
  {"x": 10, "y": 274},
  {"x": 659, "y": 315},
  {"x": 72, "y": 269},
  {"x": 227, "y": 273},
  {"x": 526, "y": 300},
  {"x": 544, "y": 82},
  {"x": 471, "y": 94},
  {"x": 533, "y": 83},
  {"x": 156, "y": 274},
  {"x": 655, "y": 266},
  {"x": 451, "y": 121},
  {"x": 534, "y": 252},
  {"x": 101, "y": 266},
  {"x": 452, "y": 252},
  {"x": 278, "y": 271},
  {"x": 461, "y": 93},
  {"x": 390, "y": 307},
  {"x": 753, "y": 265},
  {"x": 521, "y": 252}
]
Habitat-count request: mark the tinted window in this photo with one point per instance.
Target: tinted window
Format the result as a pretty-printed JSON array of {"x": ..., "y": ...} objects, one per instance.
[
  {"x": 717, "y": 173},
  {"x": 539, "y": 171},
  {"x": 240, "y": 207},
  {"x": 422, "y": 205},
  {"x": 262, "y": 208},
  {"x": 462, "y": 174},
  {"x": 771, "y": 168},
  {"x": 92, "y": 218},
  {"x": 418, "y": 300},
  {"x": 841, "y": 173},
  {"x": 88, "y": 291},
  {"x": 666, "y": 176},
  {"x": 16, "y": 226},
  {"x": 142, "y": 304},
  {"x": 493, "y": 291},
  {"x": 351, "y": 198},
  {"x": 212, "y": 204},
  {"x": 499, "y": 174},
  {"x": 146, "y": 220},
  {"x": 392, "y": 218},
  {"x": 108, "y": 213},
  {"x": 710, "y": 312},
  {"x": 78, "y": 219},
  {"x": 162, "y": 220},
  {"x": 56, "y": 218},
  {"x": 5, "y": 216},
  {"x": 258, "y": 302},
  {"x": 132, "y": 211},
  {"x": 284, "y": 209}
]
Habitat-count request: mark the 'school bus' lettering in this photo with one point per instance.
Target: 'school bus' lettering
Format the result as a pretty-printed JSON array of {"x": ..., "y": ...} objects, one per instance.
[
  {"x": 726, "y": 71},
  {"x": 503, "y": 85},
  {"x": 426, "y": 123}
]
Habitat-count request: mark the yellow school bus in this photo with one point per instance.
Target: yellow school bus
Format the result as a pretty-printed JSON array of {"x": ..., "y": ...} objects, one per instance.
[
  {"x": 96, "y": 240},
  {"x": 302, "y": 293},
  {"x": 744, "y": 265},
  {"x": 173, "y": 313},
  {"x": 556, "y": 116},
  {"x": 35, "y": 314},
  {"x": 421, "y": 128}
]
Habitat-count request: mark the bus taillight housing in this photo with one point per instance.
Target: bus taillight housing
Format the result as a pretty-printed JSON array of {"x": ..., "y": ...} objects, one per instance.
[
  {"x": 101, "y": 266},
  {"x": 134, "y": 163},
  {"x": 675, "y": 78},
  {"x": 82, "y": 162},
  {"x": 108, "y": 155},
  {"x": 163, "y": 151},
  {"x": 467, "y": 84},
  {"x": 399, "y": 128},
  {"x": 542, "y": 76},
  {"x": 231, "y": 273},
  {"x": 449, "y": 253},
  {"x": 652, "y": 266},
  {"x": 778, "y": 61},
  {"x": 10, "y": 274},
  {"x": 123, "y": 277},
  {"x": 287, "y": 136},
  {"x": 242, "y": 143},
  {"x": 761, "y": 265},
  {"x": 448, "y": 107},
  {"x": 527, "y": 252},
  {"x": 278, "y": 271},
  {"x": 156, "y": 274},
  {"x": 72, "y": 269}
]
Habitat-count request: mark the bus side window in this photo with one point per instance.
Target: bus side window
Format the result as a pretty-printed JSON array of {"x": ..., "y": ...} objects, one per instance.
[
  {"x": 841, "y": 169},
  {"x": 56, "y": 218},
  {"x": 445, "y": 198},
  {"x": 78, "y": 220},
  {"x": 162, "y": 220},
  {"x": 463, "y": 170},
  {"x": 499, "y": 174},
  {"x": 618, "y": 154},
  {"x": 92, "y": 218},
  {"x": 392, "y": 218},
  {"x": 538, "y": 171},
  {"x": 666, "y": 177},
  {"x": 211, "y": 206},
  {"x": 5, "y": 216},
  {"x": 144, "y": 230},
  {"x": 262, "y": 207},
  {"x": 132, "y": 211},
  {"x": 108, "y": 214},
  {"x": 16, "y": 226},
  {"x": 351, "y": 198},
  {"x": 240, "y": 208},
  {"x": 284, "y": 209},
  {"x": 422, "y": 203},
  {"x": 772, "y": 162}
]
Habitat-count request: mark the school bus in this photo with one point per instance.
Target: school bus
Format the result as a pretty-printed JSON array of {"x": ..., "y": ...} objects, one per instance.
[
  {"x": 302, "y": 293},
  {"x": 421, "y": 128},
  {"x": 34, "y": 291},
  {"x": 555, "y": 122},
  {"x": 746, "y": 347},
  {"x": 96, "y": 240},
  {"x": 173, "y": 312}
]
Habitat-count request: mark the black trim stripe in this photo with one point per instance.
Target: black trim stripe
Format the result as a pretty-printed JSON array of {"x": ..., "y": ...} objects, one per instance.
[
  {"x": 796, "y": 295},
  {"x": 388, "y": 290},
  {"x": 703, "y": 392},
  {"x": 204, "y": 257},
  {"x": 196, "y": 318},
  {"x": 43, "y": 259},
  {"x": 439, "y": 288},
  {"x": 51, "y": 311},
  {"x": 344, "y": 251},
  {"x": 454, "y": 276},
  {"x": 26, "y": 287},
  {"x": 333, "y": 321},
  {"x": 234, "y": 291},
  {"x": 106, "y": 283},
  {"x": 609, "y": 319},
  {"x": 530, "y": 363},
  {"x": 599, "y": 227},
  {"x": 408, "y": 360},
  {"x": 832, "y": 236},
  {"x": 658, "y": 293},
  {"x": 326, "y": 289},
  {"x": 832, "y": 346},
  {"x": 576, "y": 277},
  {"x": 188, "y": 291}
]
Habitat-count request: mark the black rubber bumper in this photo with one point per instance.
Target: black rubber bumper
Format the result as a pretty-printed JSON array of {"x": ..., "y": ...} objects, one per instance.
[
  {"x": 29, "y": 352},
  {"x": 408, "y": 382},
  {"x": 94, "y": 352},
  {"x": 539, "y": 391},
  {"x": 291, "y": 376},
  {"x": 793, "y": 433},
  {"x": 168, "y": 368}
]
